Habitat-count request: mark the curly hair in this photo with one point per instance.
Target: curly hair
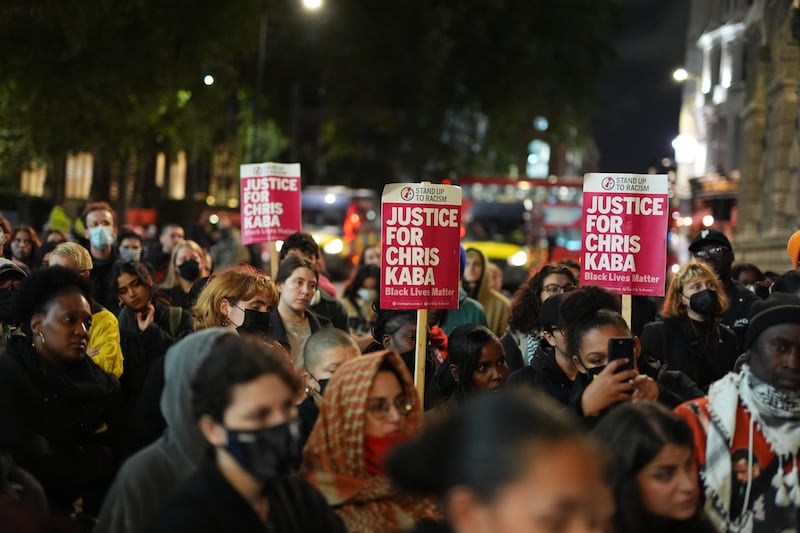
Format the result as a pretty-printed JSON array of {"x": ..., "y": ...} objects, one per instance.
[
  {"x": 299, "y": 241},
  {"x": 527, "y": 301},
  {"x": 38, "y": 291},
  {"x": 692, "y": 271},
  {"x": 240, "y": 282}
]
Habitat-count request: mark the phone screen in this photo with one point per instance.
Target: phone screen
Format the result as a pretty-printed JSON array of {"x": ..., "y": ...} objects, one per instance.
[{"x": 622, "y": 348}]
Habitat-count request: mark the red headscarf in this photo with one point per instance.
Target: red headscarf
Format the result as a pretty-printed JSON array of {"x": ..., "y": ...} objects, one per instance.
[{"x": 334, "y": 456}]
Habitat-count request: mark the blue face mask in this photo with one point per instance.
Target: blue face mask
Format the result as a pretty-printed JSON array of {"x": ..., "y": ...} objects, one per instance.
[
  {"x": 130, "y": 254},
  {"x": 101, "y": 237}
]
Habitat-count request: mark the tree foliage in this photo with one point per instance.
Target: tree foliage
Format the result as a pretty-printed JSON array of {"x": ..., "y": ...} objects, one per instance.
[{"x": 375, "y": 91}]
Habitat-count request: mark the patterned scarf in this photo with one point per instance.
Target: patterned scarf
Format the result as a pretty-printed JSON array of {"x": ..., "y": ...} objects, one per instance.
[
  {"x": 334, "y": 456},
  {"x": 774, "y": 414}
]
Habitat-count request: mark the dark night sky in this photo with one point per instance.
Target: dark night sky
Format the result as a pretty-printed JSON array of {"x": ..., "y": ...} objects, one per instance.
[{"x": 639, "y": 103}]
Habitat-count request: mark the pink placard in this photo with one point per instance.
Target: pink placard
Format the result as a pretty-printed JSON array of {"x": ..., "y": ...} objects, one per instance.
[
  {"x": 270, "y": 201},
  {"x": 625, "y": 232},
  {"x": 420, "y": 246}
]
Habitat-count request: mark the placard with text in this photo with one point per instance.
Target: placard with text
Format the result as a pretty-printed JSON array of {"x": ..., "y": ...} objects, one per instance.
[
  {"x": 625, "y": 232},
  {"x": 420, "y": 246},
  {"x": 270, "y": 201}
]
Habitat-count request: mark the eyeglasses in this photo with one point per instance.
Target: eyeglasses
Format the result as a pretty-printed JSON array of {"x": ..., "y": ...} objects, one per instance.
[
  {"x": 379, "y": 408},
  {"x": 702, "y": 254},
  {"x": 555, "y": 288}
]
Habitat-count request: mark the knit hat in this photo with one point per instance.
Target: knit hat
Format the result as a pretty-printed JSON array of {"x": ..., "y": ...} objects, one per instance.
[
  {"x": 793, "y": 248},
  {"x": 779, "y": 308},
  {"x": 710, "y": 236},
  {"x": 549, "y": 312}
]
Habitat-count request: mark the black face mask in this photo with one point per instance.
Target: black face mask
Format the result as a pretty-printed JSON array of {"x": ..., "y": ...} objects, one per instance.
[
  {"x": 254, "y": 321},
  {"x": 189, "y": 270},
  {"x": 594, "y": 371},
  {"x": 6, "y": 308},
  {"x": 268, "y": 453},
  {"x": 323, "y": 384},
  {"x": 705, "y": 302}
]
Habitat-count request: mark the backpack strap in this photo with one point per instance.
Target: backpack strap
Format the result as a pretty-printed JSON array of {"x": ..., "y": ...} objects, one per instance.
[{"x": 175, "y": 315}]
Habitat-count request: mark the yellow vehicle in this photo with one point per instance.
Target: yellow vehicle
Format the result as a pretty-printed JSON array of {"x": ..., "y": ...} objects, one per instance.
[{"x": 521, "y": 224}]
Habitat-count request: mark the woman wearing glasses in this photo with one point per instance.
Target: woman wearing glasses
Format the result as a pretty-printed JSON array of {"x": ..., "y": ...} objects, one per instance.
[
  {"x": 690, "y": 338},
  {"x": 524, "y": 332},
  {"x": 370, "y": 406}
]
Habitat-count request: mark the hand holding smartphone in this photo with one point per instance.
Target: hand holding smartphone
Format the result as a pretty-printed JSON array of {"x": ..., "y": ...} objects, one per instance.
[{"x": 622, "y": 348}]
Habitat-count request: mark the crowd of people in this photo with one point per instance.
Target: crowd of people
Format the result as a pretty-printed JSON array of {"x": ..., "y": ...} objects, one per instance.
[{"x": 152, "y": 385}]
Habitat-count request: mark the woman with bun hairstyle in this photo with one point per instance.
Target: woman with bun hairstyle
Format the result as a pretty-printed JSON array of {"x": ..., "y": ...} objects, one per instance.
[
  {"x": 507, "y": 462},
  {"x": 590, "y": 316},
  {"x": 654, "y": 479}
]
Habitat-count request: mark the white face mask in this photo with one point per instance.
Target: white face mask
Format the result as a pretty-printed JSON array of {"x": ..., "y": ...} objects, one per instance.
[{"x": 367, "y": 294}]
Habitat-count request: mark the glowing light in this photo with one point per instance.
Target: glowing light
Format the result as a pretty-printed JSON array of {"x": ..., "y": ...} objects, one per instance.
[
  {"x": 334, "y": 247},
  {"x": 708, "y": 220},
  {"x": 680, "y": 74},
  {"x": 675, "y": 268},
  {"x": 213, "y": 219},
  {"x": 330, "y": 198},
  {"x": 518, "y": 259},
  {"x": 208, "y": 80},
  {"x": 312, "y": 5}
]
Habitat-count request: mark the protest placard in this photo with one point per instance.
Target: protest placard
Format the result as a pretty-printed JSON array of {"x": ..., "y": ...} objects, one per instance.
[
  {"x": 421, "y": 231},
  {"x": 625, "y": 232},
  {"x": 270, "y": 201}
]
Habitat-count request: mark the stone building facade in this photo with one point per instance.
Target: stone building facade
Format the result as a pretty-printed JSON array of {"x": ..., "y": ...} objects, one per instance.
[{"x": 741, "y": 110}]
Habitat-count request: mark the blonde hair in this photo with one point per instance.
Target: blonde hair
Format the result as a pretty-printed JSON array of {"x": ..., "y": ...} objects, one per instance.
[
  {"x": 692, "y": 271},
  {"x": 77, "y": 253},
  {"x": 240, "y": 282},
  {"x": 172, "y": 278}
]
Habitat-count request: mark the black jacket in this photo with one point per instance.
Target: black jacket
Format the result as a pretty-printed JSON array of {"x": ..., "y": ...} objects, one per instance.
[
  {"x": 545, "y": 375},
  {"x": 674, "y": 342},
  {"x": 58, "y": 423},
  {"x": 737, "y": 317},
  {"x": 277, "y": 331},
  {"x": 206, "y": 502},
  {"x": 141, "y": 348}
]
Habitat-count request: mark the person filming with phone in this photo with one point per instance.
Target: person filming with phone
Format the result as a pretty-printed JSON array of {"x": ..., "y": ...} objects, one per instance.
[{"x": 604, "y": 351}]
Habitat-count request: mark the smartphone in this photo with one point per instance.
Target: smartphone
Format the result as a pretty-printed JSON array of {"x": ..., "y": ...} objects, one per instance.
[{"x": 622, "y": 348}]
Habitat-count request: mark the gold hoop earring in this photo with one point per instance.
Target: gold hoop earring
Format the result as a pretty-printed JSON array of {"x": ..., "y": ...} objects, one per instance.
[{"x": 37, "y": 334}]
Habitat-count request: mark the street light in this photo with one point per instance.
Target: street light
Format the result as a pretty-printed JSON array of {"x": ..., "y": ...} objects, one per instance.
[
  {"x": 680, "y": 74},
  {"x": 254, "y": 153}
]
